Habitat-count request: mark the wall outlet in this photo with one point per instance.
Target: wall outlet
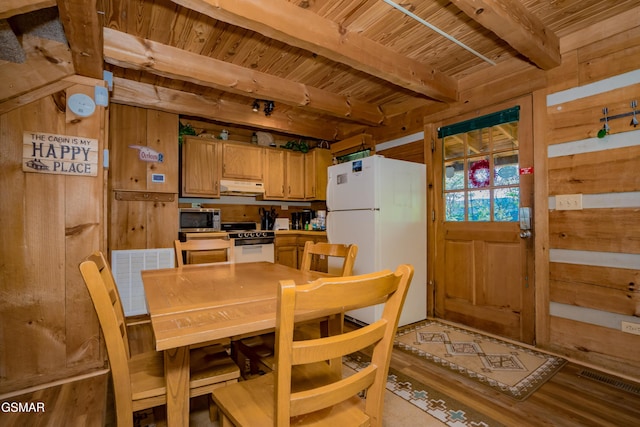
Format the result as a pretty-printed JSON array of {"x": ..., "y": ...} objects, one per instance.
[
  {"x": 631, "y": 328},
  {"x": 569, "y": 202}
]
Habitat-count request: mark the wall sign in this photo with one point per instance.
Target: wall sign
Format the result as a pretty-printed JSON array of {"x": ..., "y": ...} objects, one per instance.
[
  {"x": 147, "y": 154},
  {"x": 59, "y": 154}
]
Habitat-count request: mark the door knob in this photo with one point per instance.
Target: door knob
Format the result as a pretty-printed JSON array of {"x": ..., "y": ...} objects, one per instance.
[{"x": 525, "y": 234}]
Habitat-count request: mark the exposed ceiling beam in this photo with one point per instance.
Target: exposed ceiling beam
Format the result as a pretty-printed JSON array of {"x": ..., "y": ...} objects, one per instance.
[
  {"x": 514, "y": 24},
  {"x": 295, "y": 26},
  {"x": 9, "y": 8},
  {"x": 83, "y": 30},
  {"x": 133, "y": 52},
  {"x": 173, "y": 101}
]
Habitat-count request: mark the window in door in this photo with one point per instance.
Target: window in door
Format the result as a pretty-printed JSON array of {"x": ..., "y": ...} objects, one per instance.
[{"x": 481, "y": 164}]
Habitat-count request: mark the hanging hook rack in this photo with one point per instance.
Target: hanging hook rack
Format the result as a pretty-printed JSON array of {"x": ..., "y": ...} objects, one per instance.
[{"x": 605, "y": 119}]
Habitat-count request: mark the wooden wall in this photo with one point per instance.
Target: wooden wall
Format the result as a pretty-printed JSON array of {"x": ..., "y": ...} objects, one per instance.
[
  {"x": 50, "y": 222},
  {"x": 587, "y": 261},
  {"x": 142, "y": 213},
  {"x": 593, "y": 280}
]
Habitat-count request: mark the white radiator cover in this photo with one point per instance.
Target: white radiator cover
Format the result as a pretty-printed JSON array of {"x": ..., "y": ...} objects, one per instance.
[{"x": 126, "y": 267}]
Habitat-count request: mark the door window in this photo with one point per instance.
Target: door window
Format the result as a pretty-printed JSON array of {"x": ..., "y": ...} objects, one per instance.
[{"x": 481, "y": 164}]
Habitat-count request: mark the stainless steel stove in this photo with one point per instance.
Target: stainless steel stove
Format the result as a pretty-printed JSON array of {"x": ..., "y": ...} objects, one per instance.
[{"x": 251, "y": 245}]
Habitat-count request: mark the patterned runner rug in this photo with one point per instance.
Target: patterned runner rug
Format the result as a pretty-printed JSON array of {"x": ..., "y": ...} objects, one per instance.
[
  {"x": 445, "y": 409},
  {"x": 511, "y": 369}
]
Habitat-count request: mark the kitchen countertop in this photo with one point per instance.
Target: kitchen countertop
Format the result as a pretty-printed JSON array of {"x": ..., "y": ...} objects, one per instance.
[
  {"x": 219, "y": 234},
  {"x": 302, "y": 232}
]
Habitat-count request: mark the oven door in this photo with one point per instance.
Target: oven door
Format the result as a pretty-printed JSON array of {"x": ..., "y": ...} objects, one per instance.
[{"x": 254, "y": 253}]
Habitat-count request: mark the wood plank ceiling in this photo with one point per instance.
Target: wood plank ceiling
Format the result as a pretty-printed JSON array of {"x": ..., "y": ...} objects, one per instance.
[{"x": 333, "y": 67}]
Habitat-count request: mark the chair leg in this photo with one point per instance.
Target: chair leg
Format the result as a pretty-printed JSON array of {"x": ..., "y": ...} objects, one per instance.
[
  {"x": 213, "y": 410},
  {"x": 224, "y": 421}
]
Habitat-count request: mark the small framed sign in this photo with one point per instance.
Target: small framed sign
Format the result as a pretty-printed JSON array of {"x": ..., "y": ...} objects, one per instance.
[{"x": 59, "y": 154}]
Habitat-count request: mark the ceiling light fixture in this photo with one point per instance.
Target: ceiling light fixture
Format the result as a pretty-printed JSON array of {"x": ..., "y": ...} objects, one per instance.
[{"x": 268, "y": 108}]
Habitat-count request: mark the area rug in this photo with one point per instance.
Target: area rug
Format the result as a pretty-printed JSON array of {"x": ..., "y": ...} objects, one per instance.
[
  {"x": 443, "y": 408},
  {"x": 514, "y": 370}
]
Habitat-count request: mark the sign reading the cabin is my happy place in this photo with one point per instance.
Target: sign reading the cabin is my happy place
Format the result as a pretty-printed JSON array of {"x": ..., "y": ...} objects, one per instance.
[{"x": 59, "y": 154}]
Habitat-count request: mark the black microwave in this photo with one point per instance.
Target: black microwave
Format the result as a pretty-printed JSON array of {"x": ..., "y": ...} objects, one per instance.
[{"x": 194, "y": 220}]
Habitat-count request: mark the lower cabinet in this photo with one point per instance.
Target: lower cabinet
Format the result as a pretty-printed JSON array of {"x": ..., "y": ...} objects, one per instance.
[
  {"x": 290, "y": 247},
  {"x": 286, "y": 250}
]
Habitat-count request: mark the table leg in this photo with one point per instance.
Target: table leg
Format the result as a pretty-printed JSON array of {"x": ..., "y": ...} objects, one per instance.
[{"x": 176, "y": 370}]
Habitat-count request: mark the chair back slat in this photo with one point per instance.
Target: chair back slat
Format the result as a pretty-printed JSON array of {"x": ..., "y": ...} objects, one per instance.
[
  {"x": 310, "y": 351},
  {"x": 336, "y": 295},
  {"x": 99, "y": 282},
  {"x": 200, "y": 245},
  {"x": 347, "y": 252}
]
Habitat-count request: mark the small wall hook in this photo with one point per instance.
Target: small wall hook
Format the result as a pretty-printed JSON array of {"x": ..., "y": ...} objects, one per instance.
[{"x": 605, "y": 129}]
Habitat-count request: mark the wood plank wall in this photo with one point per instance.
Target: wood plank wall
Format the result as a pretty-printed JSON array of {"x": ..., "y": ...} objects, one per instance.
[
  {"x": 594, "y": 253},
  {"x": 142, "y": 213},
  {"x": 587, "y": 262},
  {"x": 48, "y": 328}
]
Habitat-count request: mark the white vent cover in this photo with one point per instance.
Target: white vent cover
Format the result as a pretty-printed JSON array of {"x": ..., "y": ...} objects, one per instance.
[{"x": 126, "y": 267}]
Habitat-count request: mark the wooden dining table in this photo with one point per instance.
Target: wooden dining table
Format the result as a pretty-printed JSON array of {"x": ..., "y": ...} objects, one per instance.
[{"x": 195, "y": 304}]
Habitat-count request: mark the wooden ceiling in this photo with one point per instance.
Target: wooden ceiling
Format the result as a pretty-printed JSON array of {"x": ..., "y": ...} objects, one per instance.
[{"x": 333, "y": 68}]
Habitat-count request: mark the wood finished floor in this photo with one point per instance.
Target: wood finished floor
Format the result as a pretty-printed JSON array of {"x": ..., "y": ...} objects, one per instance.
[{"x": 567, "y": 399}]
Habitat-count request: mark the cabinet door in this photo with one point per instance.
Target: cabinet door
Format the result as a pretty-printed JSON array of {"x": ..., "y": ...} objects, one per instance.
[
  {"x": 200, "y": 168},
  {"x": 287, "y": 255},
  {"x": 295, "y": 175},
  {"x": 316, "y": 163},
  {"x": 274, "y": 181},
  {"x": 242, "y": 161}
]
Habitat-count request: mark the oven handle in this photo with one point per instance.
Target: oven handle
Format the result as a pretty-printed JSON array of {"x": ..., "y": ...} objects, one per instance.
[{"x": 253, "y": 242}]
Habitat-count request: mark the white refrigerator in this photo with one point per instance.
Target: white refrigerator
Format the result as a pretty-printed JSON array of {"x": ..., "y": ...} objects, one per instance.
[{"x": 380, "y": 205}]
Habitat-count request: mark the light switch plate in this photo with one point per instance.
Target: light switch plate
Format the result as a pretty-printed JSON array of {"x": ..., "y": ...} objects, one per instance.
[
  {"x": 101, "y": 95},
  {"x": 569, "y": 202}
]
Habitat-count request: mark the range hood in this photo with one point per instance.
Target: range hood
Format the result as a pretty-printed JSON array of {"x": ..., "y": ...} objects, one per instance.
[{"x": 241, "y": 188}]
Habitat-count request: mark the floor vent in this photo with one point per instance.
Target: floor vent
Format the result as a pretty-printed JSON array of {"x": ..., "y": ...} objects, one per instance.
[{"x": 611, "y": 381}]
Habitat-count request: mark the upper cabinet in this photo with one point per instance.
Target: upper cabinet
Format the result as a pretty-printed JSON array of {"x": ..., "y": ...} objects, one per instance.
[
  {"x": 242, "y": 161},
  {"x": 294, "y": 168},
  {"x": 316, "y": 163},
  {"x": 286, "y": 174},
  {"x": 274, "y": 174},
  {"x": 201, "y": 165}
]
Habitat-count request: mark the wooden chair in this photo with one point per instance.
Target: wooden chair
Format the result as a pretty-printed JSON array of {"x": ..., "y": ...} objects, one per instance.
[
  {"x": 259, "y": 349},
  {"x": 203, "y": 245},
  {"x": 346, "y": 252},
  {"x": 138, "y": 381},
  {"x": 307, "y": 388}
]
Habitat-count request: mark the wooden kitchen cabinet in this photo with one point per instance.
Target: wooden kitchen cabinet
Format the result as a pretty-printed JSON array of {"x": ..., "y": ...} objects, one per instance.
[
  {"x": 284, "y": 175},
  {"x": 294, "y": 168},
  {"x": 201, "y": 164},
  {"x": 242, "y": 161},
  {"x": 286, "y": 250},
  {"x": 274, "y": 174},
  {"x": 316, "y": 163},
  {"x": 290, "y": 247}
]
